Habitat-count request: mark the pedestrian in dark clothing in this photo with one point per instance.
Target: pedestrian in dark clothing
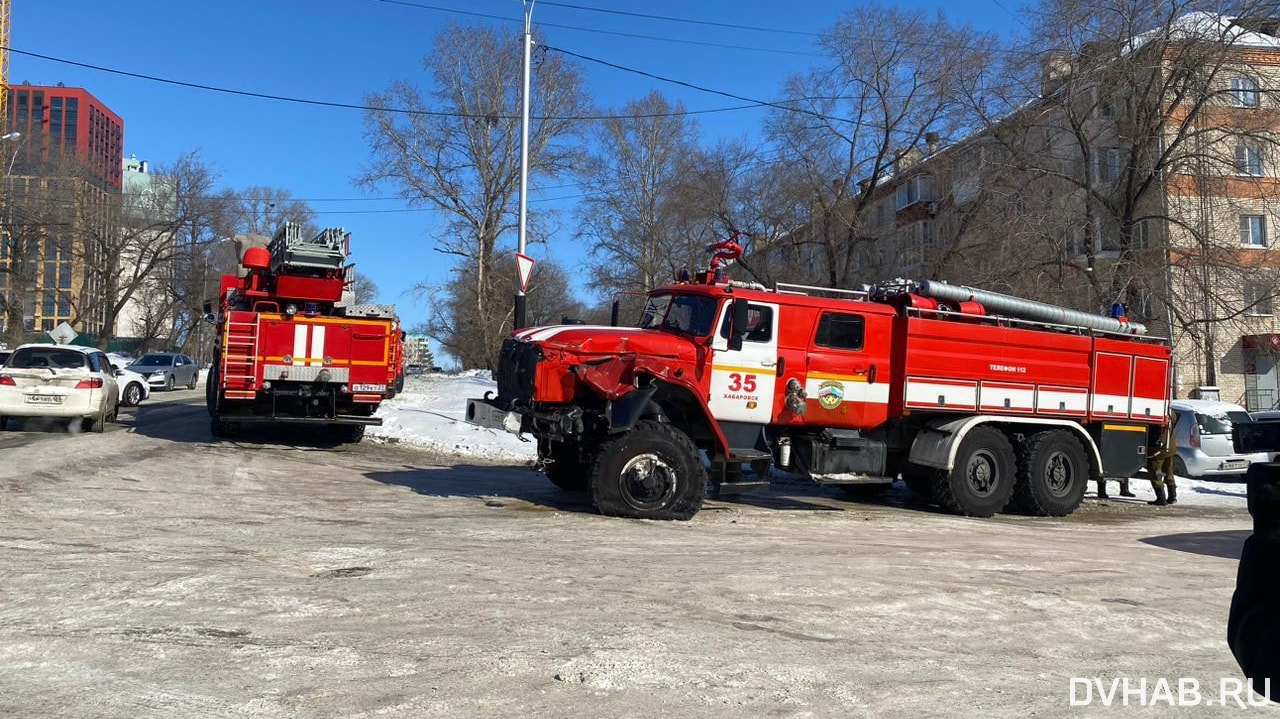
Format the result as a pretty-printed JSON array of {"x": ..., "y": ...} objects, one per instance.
[{"x": 1253, "y": 629}]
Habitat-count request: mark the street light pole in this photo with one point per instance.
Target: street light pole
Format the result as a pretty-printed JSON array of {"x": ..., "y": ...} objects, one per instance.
[
  {"x": 520, "y": 316},
  {"x": 7, "y": 229}
]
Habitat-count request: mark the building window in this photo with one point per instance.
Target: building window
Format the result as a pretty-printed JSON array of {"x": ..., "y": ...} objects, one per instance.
[
  {"x": 1257, "y": 299},
  {"x": 1249, "y": 160},
  {"x": 1139, "y": 239},
  {"x": 1253, "y": 230},
  {"x": 1244, "y": 92},
  {"x": 916, "y": 189},
  {"x": 1106, "y": 165}
]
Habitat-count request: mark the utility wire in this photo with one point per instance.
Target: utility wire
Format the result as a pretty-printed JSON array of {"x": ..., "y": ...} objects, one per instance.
[
  {"x": 689, "y": 21},
  {"x": 354, "y": 106},
  {"x": 437, "y": 8}
]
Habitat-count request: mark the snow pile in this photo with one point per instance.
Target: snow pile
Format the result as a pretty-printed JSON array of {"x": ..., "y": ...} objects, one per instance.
[{"x": 430, "y": 414}]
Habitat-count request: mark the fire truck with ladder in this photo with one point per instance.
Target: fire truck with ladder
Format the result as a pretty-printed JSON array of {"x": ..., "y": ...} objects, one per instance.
[
  {"x": 980, "y": 401},
  {"x": 287, "y": 350}
]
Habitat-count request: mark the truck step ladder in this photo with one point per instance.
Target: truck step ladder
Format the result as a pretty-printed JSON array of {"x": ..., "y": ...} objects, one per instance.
[{"x": 240, "y": 356}]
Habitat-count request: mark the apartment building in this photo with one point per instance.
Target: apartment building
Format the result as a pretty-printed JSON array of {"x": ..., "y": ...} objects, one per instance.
[{"x": 1147, "y": 174}]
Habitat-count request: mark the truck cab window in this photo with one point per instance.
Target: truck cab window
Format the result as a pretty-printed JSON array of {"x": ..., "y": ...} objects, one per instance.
[
  {"x": 759, "y": 324},
  {"x": 840, "y": 331}
]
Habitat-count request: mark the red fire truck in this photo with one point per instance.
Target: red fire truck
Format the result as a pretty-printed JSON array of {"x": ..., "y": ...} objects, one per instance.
[
  {"x": 979, "y": 400},
  {"x": 288, "y": 350}
]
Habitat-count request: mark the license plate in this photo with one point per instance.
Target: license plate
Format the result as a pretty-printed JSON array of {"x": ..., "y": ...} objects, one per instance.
[
  {"x": 1236, "y": 464},
  {"x": 44, "y": 399},
  {"x": 368, "y": 388}
]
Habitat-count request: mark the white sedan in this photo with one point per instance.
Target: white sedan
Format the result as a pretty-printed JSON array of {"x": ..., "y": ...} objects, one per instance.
[
  {"x": 133, "y": 387},
  {"x": 44, "y": 380}
]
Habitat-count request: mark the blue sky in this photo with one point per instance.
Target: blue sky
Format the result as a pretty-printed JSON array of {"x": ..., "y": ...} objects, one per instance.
[{"x": 336, "y": 50}]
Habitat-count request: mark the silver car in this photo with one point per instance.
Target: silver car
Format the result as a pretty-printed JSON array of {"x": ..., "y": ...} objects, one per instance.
[
  {"x": 1203, "y": 434},
  {"x": 167, "y": 370}
]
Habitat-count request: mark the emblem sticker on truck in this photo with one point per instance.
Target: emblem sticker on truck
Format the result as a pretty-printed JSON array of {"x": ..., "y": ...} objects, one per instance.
[{"x": 830, "y": 394}]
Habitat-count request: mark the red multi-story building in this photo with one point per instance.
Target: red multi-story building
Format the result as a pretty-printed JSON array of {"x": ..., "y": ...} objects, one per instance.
[{"x": 59, "y": 123}]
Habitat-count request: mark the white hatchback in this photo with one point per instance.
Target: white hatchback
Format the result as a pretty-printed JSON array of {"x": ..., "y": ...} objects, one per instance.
[{"x": 45, "y": 380}]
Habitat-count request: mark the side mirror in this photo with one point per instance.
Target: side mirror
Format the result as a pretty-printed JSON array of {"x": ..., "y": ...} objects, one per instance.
[{"x": 207, "y": 307}]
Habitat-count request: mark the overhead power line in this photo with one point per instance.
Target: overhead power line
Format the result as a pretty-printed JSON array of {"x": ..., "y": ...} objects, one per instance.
[
  {"x": 357, "y": 106},
  {"x": 689, "y": 21},
  {"x": 598, "y": 31}
]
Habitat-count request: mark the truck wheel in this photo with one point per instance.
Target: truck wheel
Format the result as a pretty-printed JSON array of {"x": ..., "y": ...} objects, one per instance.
[
  {"x": 982, "y": 480},
  {"x": 651, "y": 472},
  {"x": 211, "y": 389},
  {"x": 1053, "y": 473},
  {"x": 350, "y": 433},
  {"x": 566, "y": 468}
]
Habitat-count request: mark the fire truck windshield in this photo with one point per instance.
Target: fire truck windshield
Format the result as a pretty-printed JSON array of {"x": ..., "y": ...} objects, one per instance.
[{"x": 688, "y": 314}]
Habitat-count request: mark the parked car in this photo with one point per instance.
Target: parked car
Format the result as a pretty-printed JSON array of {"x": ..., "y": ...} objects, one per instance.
[
  {"x": 1203, "y": 434},
  {"x": 46, "y": 380},
  {"x": 133, "y": 387},
  {"x": 167, "y": 370}
]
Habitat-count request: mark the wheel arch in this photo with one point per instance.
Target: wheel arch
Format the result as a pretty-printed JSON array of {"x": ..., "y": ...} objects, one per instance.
[
  {"x": 682, "y": 407},
  {"x": 936, "y": 445}
]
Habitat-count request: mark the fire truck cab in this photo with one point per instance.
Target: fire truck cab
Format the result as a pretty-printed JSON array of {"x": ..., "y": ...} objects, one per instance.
[{"x": 977, "y": 400}]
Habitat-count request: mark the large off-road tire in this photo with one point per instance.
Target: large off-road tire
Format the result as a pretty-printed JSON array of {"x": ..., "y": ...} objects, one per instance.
[
  {"x": 211, "y": 389},
  {"x": 566, "y": 468},
  {"x": 1053, "y": 474},
  {"x": 982, "y": 480},
  {"x": 132, "y": 394},
  {"x": 651, "y": 472}
]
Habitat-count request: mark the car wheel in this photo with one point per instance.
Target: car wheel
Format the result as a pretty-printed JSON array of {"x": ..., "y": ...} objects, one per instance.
[
  {"x": 132, "y": 395},
  {"x": 168, "y": 383},
  {"x": 4, "y": 423},
  {"x": 97, "y": 424},
  {"x": 1180, "y": 468},
  {"x": 192, "y": 383}
]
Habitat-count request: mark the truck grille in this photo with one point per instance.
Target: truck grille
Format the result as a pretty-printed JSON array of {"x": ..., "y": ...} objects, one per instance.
[{"x": 516, "y": 370}]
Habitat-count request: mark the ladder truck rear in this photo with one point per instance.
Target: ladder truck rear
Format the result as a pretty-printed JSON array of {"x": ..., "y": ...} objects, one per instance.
[{"x": 286, "y": 349}]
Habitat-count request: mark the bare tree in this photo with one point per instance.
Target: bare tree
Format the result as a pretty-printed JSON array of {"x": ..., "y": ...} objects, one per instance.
[
  {"x": 262, "y": 210},
  {"x": 147, "y": 240},
  {"x": 364, "y": 289},
  {"x": 632, "y": 216},
  {"x": 457, "y": 150},
  {"x": 897, "y": 81}
]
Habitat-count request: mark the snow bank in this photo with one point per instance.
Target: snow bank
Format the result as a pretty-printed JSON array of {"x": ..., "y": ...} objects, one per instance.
[{"x": 429, "y": 414}]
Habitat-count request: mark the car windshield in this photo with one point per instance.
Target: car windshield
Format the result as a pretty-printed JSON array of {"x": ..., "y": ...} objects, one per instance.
[
  {"x": 45, "y": 358},
  {"x": 154, "y": 361},
  {"x": 690, "y": 314},
  {"x": 1219, "y": 423}
]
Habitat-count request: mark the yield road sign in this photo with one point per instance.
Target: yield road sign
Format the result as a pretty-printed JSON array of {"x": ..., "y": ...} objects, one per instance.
[{"x": 524, "y": 265}]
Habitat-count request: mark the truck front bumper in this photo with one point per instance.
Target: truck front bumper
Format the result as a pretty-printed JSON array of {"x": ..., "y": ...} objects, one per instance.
[{"x": 486, "y": 413}]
